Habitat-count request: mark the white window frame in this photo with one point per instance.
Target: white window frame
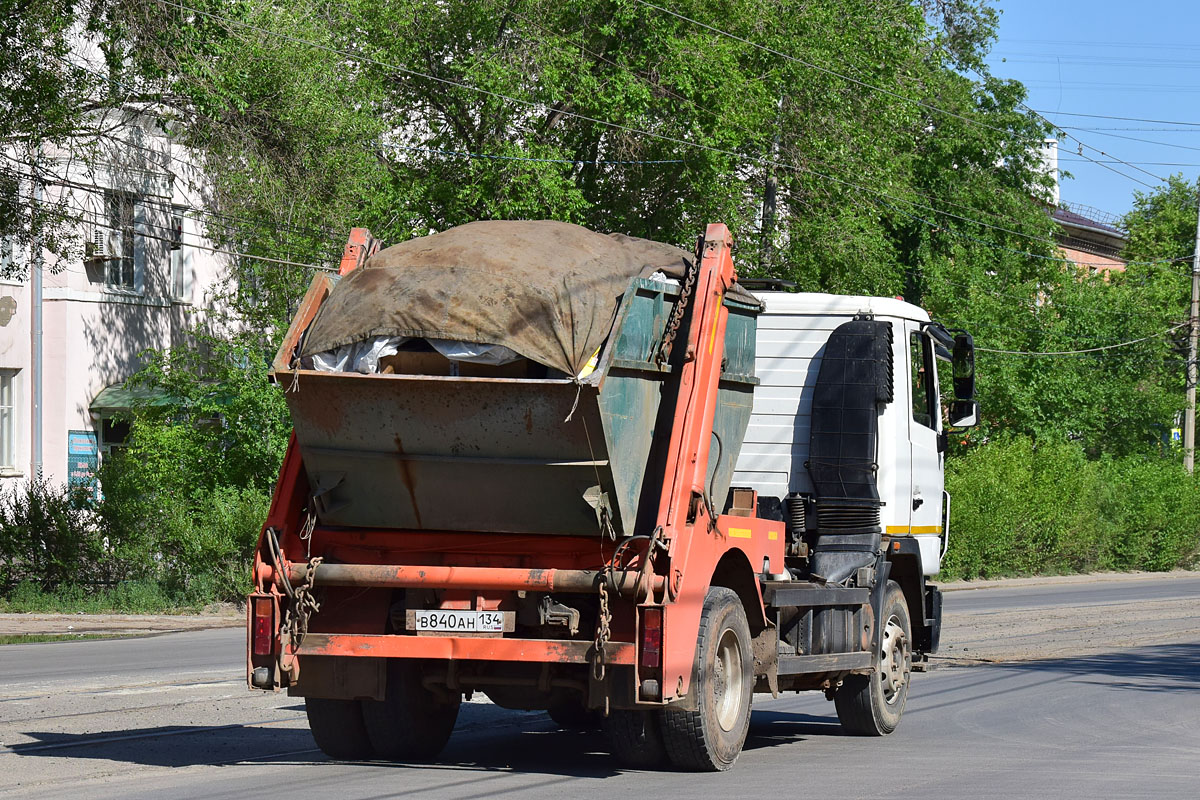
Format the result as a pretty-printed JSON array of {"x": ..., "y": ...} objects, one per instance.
[
  {"x": 180, "y": 258},
  {"x": 8, "y": 256},
  {"x": 9, "y": 394},
  {"x": 124, "y": 224}
]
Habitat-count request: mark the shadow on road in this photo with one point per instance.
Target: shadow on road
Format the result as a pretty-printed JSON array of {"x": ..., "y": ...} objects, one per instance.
[
  {"x": 487, "y": 739},
  {"x": 1165, "y": 668},
  {"x": 773, "y": 728}
]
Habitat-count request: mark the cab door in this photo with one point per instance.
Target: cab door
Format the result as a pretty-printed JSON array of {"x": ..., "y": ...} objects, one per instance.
[{"x": 925, "y": 444}]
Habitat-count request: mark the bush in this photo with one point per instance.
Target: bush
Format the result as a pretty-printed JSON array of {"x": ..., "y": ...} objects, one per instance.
[
  {"x": 1024, "y": 508},
  {"x": 49, "y": 536}
]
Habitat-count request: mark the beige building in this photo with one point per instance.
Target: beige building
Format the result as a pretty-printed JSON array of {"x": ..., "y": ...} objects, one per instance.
[{"x": 145, "y": 272}]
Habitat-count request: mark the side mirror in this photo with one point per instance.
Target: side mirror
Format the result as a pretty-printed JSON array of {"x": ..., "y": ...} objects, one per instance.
[
  {"x": 962, "y": 364},
  {"x": 964, "y": 414}
]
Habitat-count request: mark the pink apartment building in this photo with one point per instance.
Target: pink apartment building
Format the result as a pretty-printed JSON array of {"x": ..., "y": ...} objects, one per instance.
[{"x": 146, "y": 271}]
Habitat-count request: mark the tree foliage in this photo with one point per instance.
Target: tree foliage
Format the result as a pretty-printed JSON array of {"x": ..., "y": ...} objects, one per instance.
[{"x": 902, "y": 167}]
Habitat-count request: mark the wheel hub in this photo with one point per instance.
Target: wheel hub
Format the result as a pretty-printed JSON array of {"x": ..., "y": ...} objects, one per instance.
[
  {"x": 895, "y": 661},
  {"x": 727, "y": 680}
]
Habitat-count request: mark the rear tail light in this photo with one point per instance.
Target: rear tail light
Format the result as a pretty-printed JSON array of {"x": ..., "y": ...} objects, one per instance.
[
  {"x": 263, "y": 630},
  {"x": 652, "y": 622}
]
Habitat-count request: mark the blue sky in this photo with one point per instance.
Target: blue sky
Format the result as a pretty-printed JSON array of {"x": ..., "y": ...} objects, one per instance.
[{"x": 1125, "y": 59}]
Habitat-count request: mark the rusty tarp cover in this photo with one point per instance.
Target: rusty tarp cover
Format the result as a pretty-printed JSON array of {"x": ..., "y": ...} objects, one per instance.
[{"x": 547, "y": 290}]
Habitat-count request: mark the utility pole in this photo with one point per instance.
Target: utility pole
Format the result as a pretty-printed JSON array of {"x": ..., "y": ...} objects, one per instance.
[
  {"x": 35, "y": 269},
  {"x": 1189, "y": 417},
  {"x": 770, "y": 192}
]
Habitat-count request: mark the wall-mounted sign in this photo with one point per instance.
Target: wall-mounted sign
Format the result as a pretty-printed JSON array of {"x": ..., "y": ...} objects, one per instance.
[
  {"x": 83, "y": 458},
  {"x": 8, "y": 307}
]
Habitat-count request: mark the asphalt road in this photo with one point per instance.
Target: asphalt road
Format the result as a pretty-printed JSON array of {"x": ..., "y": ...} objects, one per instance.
[{"x": 169, "y": 715}]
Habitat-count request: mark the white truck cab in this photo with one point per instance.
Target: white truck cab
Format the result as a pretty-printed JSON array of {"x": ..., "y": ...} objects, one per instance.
[{"x": 792, "y": 334}]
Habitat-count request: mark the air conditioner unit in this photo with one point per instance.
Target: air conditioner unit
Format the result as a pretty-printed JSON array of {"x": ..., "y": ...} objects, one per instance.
[{"x": 97, "y": 247}]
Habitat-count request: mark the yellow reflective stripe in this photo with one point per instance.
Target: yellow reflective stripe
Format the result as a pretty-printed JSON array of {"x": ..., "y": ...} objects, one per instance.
[
  {"x": 892, "y": 529},
  {"x": 739, "y": 533},
  {"x": 772, "y": 535}
]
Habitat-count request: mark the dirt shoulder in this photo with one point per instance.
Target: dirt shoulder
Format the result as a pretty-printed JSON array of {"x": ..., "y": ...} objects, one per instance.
[
  {"x": 1069, "y": 617},
  {"x": 1059, "y": 580},
  {"x": 219, "y": 616}
]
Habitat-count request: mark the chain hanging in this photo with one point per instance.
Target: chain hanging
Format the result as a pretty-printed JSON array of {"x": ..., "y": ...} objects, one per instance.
[
  {"x": 603, "y": 631},
  {"x": 676, "y": 318}
]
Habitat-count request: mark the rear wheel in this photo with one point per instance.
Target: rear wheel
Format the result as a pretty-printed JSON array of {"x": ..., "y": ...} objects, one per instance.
[
  {"x": 871, "y": 705},
  {"x": 711, "y": 737},
  {"x": 636, "y": 738},
  {"x": 338, "y": 728},
  {"x": 412, "y": 722}
]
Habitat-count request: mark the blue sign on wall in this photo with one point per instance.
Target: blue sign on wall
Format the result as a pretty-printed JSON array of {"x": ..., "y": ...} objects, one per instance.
[{"x": 83, "y": 458}]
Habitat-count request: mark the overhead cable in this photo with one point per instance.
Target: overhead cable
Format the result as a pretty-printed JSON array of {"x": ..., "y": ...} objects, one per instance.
[{"x": 1088, "y": 350}]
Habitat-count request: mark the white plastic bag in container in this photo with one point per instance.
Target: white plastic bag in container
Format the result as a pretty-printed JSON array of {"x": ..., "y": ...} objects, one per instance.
[
  {"x": 366, "y": 360},
  {"x": 358, "y": 357},
  {"x": 493, "y": 354},
  {"x": 334, "y": 360}
]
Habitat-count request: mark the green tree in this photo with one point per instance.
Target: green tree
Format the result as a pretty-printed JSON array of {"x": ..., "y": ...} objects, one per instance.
[
  {"x": 611, "y": 113},
  {"x": 47, "y": 108},
  {"x": 185, "y": 498}
]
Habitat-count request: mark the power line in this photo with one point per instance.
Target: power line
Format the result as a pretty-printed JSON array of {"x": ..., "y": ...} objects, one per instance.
[
  {"x": 962, "y": 235},
  {"x": 1122, "y": 119},
  {"x": 1088, "y": 350},
  {"x": 1143, "y": 163},
  {"x": 466, "y": 154},
  {"x": 1132, "y": 138},
  {"x": 168, "y": 205},
  {"x": 168, "y": 240},
  {"x": 218, "y": 251}
]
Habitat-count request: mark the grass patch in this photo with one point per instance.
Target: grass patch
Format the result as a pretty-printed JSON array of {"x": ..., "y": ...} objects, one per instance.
[
  {"x": 35, "y": 638},
  {"x": 127, "y": 597}
]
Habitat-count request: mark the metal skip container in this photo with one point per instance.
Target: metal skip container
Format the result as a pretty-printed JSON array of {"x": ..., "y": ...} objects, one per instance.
[{"x": 431, "y": 445}]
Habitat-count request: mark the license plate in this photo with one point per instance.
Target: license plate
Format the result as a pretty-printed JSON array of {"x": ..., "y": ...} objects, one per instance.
[{"x": 458, "y": 621}]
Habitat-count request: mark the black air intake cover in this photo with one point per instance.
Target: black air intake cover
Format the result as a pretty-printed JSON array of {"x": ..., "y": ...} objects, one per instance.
[{"x": 854, "y": 381}]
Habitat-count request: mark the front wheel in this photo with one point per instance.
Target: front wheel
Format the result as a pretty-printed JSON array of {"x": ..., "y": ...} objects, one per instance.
[
  {"x": 871, "y": 705},
  {"x": 711, "y": 737}
]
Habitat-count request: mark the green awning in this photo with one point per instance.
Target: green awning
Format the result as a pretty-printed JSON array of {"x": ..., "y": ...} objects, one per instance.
[{"x": 119, "y": 398}]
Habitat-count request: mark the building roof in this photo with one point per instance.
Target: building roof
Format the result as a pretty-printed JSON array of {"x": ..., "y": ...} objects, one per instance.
[{"x": 1085, "y": 217}]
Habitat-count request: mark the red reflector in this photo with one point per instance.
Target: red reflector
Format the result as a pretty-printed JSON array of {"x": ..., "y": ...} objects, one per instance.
[
  {"x": 652, "y": 620},
  {"x": 263, "y": 631}
]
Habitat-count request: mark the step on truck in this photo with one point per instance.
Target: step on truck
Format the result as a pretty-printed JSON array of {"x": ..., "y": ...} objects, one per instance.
[{"x": 597, "y": 475}]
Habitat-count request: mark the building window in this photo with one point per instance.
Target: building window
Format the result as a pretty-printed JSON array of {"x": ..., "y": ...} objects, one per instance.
[
  {"x": 179, "y": 281},
  {"x": 119, "y": 272},
  {"x": 8, "y": 264},
  {"x": 924, "y": 392},
  {"x": 113, "y": 435},
  {"x": 8, "y": 420}
]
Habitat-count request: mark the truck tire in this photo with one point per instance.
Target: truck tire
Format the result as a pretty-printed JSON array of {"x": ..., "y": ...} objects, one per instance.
[
  {"x": 711, "y": 737},
  {"x": 338, "y": 728},
  {"x": 412, "y": 723},
  {"x": 871, "y": 705},
  {"x": 635, "y": 738}
]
